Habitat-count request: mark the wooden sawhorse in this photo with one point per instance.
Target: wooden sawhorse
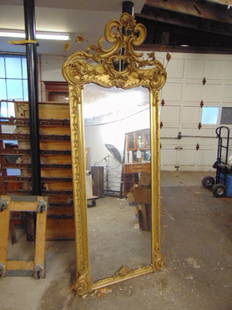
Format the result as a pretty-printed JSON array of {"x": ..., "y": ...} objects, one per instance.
[{"x": 38, "y": 205}]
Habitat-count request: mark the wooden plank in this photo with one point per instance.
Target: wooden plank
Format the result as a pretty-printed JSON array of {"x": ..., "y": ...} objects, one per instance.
[
  {"x": 60, "y": 211},
  {"x": 54, "y": 231},
  {"x": 44, "y": 131},
  {"x": 58, "y": 186},
  {"x": 55, "y": 130},
  {"x": 55, "y": 145},
  {"x": 136, "y": 168},
  {"x": 24, "y": 152},
  {"x": 40, "y": 238},
  {"x": 43, "y": 166},
  {"x": 19, "y": 265},
  {"x": 23, "y": 206},
  {"x": 58, "y": 159},
  {"x": 66, "y": 173},
  {"x": 46, "y": 123},
  {"x": 45, "y": 111},
  {"x": 4, "y": 235},
  {"x": 8, "y": 151},
  {"x": 19, "y": 136}
]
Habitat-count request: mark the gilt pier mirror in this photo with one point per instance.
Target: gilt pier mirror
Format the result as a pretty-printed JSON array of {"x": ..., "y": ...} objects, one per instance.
[{"x": 114, "y": 119}]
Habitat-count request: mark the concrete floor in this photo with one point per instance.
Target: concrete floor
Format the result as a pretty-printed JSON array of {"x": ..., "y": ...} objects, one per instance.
[
  {"x": 115, "y": 239},
  {"x": 196, "y": 243}
]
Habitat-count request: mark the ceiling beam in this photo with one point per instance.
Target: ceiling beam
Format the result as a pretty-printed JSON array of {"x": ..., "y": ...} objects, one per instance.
[
  {"x": 186, "y": 21},
  {"x": 179, "y": 49},
  {"x": 224, "y": 2},
  {"x": 205, "y": 10}
]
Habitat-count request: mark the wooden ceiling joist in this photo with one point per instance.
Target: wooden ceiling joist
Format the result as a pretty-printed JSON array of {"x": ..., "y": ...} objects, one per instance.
[
  {"x": 193, "y": 23},
  {"x": 186, "y": 21},
  {"x": 200, "y": 9}
]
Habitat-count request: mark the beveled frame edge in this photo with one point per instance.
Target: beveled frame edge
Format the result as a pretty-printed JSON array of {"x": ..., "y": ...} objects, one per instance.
[{"x": 79, "y": 70}]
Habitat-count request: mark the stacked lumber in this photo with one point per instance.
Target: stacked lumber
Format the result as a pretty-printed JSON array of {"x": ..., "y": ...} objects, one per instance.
[{"x": 55, "y": 156}]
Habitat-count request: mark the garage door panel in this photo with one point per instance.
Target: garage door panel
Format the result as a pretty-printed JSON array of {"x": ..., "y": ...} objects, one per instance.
[
  {"x": 175, "y": 68},
  {"x": 170, "y": 114},
  {"x": 191, "y": 114},
  {"x": 207, "y": 143},
  {"x": 170, "y": 125},
  {"x": 194, "y": 69},
  {"x": 168, "y": 157},
  {"x": 192, "y": 92},
  {"x": 183, "y": 94},
  {"x": 187, "y": 157},
  {"x": 206, "y": 157},
  {"x": 196, "y": 132},
  {"x": 227, "y": 92},
  {"x": 212, "y": 92},
  {"x": 226, "y": 69},
  {"x": 172, "y": 91},
  {"x": 169, "y": 132},
  {"x": 213, "y": 69}
]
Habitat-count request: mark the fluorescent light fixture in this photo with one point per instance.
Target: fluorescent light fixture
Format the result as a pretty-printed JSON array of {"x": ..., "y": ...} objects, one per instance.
[
  {"x": 11, "y": 34},
  {"x": 52, "y": 36},
  {"x": 61, "y": 36},
  {"x": 184, "y": 45}
]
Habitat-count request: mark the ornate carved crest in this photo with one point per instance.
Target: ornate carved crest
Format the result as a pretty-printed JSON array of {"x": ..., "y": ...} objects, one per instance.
[{"x": 118, "y": 64}]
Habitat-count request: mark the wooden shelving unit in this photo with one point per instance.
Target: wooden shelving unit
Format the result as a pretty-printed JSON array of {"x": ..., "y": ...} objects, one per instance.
[{"x": 56, "y": 168}]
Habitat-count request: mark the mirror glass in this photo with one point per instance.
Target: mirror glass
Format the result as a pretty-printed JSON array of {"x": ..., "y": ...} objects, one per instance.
[{"x": 118, "y": 178}]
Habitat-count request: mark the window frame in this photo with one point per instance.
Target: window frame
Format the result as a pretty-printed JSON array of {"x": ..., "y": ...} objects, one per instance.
[{"x": 22, "y": 79}]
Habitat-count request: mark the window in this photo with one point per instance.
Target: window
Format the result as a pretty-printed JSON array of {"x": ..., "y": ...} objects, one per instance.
[
  {"x": 13, "y": 78},
  {"x": 13, "y": 82},
  {"x": 226, "y": 116},
  {"x": 13, "y": 86},
  {"x": 210, "y": 115}
]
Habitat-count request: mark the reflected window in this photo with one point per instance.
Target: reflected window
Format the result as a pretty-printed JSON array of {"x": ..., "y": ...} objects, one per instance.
[{"x": 210, "y": 115}]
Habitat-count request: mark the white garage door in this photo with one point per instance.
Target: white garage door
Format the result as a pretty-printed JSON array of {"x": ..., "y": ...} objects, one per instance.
[{"x": 182, "y": 112}]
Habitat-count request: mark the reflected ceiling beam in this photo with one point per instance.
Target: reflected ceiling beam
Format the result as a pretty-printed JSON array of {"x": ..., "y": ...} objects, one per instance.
[{"x": 204, "y": 9}]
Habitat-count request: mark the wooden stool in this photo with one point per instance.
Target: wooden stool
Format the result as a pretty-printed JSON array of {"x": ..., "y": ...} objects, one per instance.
[{"x": 38, "y": 205}]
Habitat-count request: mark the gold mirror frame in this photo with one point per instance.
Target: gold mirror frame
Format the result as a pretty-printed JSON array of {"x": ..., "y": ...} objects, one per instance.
[{"x": 96, "y": 65}]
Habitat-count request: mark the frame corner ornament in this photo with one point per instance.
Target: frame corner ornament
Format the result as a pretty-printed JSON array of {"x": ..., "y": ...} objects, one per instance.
[{"x": 158, "y": 260}]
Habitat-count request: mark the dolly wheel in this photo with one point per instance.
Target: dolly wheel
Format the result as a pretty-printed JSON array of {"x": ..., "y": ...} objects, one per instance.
[
  {"x": 208, "y": 182},
  {"x": 219, "y": 190}
]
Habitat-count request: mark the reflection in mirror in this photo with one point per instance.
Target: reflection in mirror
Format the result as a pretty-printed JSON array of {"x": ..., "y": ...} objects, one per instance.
[{"x": 118, "y": 178}]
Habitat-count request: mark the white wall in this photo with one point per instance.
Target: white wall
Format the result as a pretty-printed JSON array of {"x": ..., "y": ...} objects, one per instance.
[{"x": 51, "y": 67}]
